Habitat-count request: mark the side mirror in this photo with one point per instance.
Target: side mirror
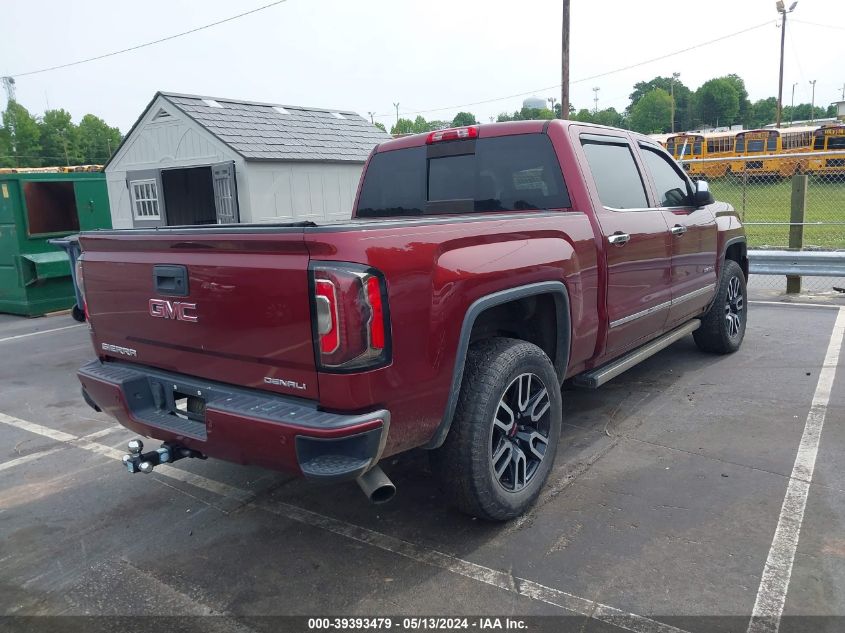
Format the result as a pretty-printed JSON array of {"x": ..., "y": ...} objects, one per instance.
[{"x": 702, "y": 196}]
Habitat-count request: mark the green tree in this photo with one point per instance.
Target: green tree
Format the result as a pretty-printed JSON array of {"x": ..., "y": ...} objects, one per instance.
[
  {"x": 803, "y": 112},
  {"x": 421, "y": 125},
  {"x": 59, "y": 139},
  {"x": 652, "y": 112},
  {"x": 742, "y": 95},
  {"x": 381, "y": 126},
  {"x": 464, "y": 118},
  {"x": 403, "y": 126},
  {"x": 609, "y": 116},
  {"x": 527, "y": 114},
  {"x": 583, "y": 115},
  {"x": 683, "y": 98},
  {"x": 19, "y": 138},
  {"x": 762, "y": 112},
  {"x": 97, "y": 140},
  {"x": 717, "y": 102}
]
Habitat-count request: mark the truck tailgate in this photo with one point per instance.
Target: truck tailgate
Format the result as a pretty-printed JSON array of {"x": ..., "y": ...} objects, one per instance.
[{"x": 244, "y": 317}]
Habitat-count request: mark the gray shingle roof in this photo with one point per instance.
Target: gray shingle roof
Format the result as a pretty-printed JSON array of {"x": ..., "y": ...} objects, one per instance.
[{"x": 257, "y": 131}]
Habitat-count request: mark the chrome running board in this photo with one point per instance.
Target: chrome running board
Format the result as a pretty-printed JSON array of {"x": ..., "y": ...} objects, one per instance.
[{"x": 595, "y": 378}]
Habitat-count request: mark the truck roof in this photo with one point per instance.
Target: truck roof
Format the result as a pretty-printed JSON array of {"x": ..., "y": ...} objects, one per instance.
[{"x": 505, "y": 128}]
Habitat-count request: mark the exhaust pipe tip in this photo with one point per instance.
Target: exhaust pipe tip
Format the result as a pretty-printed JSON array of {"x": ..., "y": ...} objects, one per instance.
[{"x": 376, "y": 485}]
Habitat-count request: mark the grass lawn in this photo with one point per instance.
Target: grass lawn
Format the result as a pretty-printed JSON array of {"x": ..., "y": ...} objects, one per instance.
[{"x": 769, "y": 201}]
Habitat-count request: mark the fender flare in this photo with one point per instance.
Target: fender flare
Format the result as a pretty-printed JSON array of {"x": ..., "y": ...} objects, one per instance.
[
  {"x": 561, "y": 297},
  {"x": 734, "y": 240}
]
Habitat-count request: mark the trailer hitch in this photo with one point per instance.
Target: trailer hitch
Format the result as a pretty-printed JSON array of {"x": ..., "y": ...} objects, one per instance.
[{"x": 137, "y": 461}]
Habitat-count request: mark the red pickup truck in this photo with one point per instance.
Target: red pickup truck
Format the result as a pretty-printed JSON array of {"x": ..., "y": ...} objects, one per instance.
[{"x": 483, "y": 267}]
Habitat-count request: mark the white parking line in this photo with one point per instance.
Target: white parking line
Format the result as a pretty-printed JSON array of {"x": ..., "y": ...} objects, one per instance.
[
  {"x": 467, "y": 569},
  {"x": 103, "y": 432},
  {"x": 771, "y": 596},
  {"x": 30, "y": 458},
  {"x": 55, "y": 329},
  {"x": 795, "y": 304}
]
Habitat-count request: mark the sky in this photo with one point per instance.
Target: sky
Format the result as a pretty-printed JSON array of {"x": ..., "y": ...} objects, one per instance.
[{"x": 431, "y": 57}]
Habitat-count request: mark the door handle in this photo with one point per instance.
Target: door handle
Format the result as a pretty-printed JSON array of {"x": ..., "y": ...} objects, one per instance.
[
  {"x": 678, "y": 230},
  {"x": 619, "y": 238}
]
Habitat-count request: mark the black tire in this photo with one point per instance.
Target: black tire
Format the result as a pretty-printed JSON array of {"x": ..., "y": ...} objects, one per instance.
[
  {"x": 723, "y": 326},
  {"x": 496, "y": 371},
  {"x": 78, "y": 314}
]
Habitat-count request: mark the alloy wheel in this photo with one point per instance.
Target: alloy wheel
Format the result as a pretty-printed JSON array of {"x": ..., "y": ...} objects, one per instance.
[
  {"x": 734, "y": 305},
  {"x": 520, "y": 432}
]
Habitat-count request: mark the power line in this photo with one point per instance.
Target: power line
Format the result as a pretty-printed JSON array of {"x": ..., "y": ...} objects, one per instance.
[
  {"x": 144, "y": 45},
  {"x": 824, "y": 26},
  {"x": 597, "y": 76}
]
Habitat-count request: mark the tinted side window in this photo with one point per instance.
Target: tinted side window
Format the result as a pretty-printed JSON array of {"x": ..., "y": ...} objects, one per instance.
[
  {"x": 394, "y": 184},
  {"x": 615, "y": 173},
  {"x": 672, "y": 188}
]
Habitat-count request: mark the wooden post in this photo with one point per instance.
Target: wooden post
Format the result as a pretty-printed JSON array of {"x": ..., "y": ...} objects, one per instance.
[{"x": 796, "y": 228}]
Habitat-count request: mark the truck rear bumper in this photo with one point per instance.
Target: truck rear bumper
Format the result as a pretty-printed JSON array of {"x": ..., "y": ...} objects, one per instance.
[{"x": 235, "y": 424}]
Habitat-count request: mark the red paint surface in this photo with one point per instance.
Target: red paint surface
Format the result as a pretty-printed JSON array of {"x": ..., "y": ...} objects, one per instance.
[{"x": 254, "y": 320}]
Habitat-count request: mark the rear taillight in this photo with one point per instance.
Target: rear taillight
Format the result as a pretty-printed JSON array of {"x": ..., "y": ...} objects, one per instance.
[
  {"x": 351, "y": 319},
  {"x": 80, "y": 283}
]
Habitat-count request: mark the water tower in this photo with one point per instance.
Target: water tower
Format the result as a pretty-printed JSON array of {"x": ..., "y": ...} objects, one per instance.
[{"x": 535, "y": 103}]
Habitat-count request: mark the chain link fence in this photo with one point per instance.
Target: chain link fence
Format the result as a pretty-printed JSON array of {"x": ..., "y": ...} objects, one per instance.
[{"x": 772, "y": 196}]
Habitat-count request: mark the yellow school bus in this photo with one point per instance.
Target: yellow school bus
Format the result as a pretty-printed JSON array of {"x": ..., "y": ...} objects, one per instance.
[
  {"x": 710, "y": 145},
  {"x": 829, "y": 138},
  {"x": 660, "y": 138},
  {"x": 778, "y": 144}
]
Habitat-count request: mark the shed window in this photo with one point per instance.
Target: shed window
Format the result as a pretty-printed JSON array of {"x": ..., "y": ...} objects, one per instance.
[{"x": 145, "y": 199}]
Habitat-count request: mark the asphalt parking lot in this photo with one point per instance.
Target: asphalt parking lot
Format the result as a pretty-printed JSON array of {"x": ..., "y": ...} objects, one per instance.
[{"x": 667, "y": 502}]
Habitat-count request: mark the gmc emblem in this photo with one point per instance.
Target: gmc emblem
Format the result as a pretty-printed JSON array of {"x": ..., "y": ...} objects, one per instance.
[{"x": 177, "y": 310}]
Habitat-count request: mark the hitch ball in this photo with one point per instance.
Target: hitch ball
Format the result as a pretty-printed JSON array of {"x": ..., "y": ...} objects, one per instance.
[{"x": 135, "y": 446}]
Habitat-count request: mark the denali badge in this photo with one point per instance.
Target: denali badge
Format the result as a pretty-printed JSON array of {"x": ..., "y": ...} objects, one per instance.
[
  {"x": 290, "y": 384},
  {"x": 178, "y": 310},
  {"x": 117, "y": 349}
]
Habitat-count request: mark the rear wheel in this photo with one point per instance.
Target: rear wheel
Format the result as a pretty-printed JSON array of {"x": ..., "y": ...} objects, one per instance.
[
  {"x": 723, "y": 326},
  {"x": 505, "y": 431}
]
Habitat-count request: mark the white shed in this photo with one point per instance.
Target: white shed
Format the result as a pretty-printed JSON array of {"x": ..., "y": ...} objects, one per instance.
[{"x": 202, "y": 160}]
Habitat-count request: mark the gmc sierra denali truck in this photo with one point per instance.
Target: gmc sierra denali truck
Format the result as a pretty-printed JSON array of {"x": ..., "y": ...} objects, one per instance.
[{"x": 483, "y": 267}]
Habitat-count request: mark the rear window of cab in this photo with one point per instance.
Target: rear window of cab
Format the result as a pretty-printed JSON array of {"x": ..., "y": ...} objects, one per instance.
[{"x": 505, "y": 173}]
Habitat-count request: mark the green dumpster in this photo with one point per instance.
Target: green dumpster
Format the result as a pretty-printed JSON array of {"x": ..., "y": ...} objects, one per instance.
[{"x": 35, "y": 277}]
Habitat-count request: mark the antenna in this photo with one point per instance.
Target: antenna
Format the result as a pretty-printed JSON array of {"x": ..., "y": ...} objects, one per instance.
[
  {"x": 9, "y": 87},
  {"x": 596, "y": 99}
]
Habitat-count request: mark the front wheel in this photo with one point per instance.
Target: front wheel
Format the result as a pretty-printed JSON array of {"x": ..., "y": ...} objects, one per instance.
[
  {"x": 723, "y": 326},
  {"x": 503, "y": 439}
]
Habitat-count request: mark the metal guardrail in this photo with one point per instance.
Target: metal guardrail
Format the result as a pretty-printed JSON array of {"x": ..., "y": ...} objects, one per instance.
[{"x": 797, "y": 263}]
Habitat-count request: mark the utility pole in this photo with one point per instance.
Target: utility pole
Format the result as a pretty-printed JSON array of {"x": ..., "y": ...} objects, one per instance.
[
  {"x": 813, "y": 101},
  {"x": 564, "y": 61},
  {"x": 396, "y": 105},
  {"x": 843, "y": 92},
  {"x": 9, "y": 87},
  {"x": 552, "y": 101},
  {"x": 371, "y": 117},
  {"x": 596, "y": 99},
  {"x": 779, "y": 5},
  {"x": 792, "y": 107},
  {"x": 672, "y": 88}
]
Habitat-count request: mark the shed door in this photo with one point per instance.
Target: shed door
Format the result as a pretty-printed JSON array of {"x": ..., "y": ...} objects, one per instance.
[
  {"x": 225, "y": 192},
  {"x": 146, "y": 198}
]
